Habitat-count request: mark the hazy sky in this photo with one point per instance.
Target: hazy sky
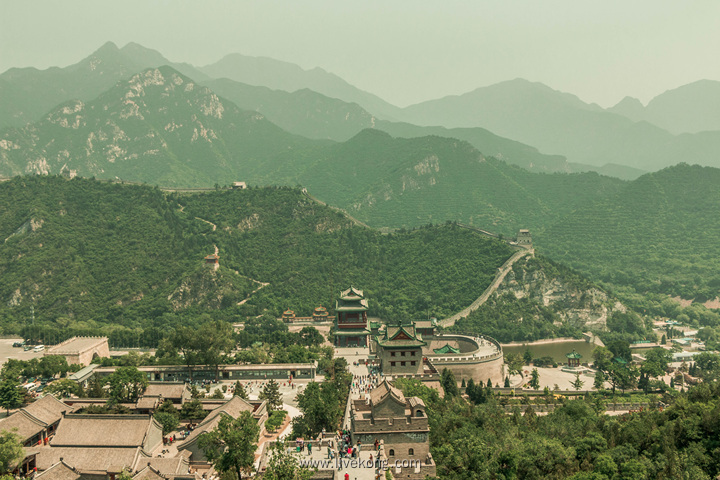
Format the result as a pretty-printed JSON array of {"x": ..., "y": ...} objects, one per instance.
[{"x": 405, "y": 51}]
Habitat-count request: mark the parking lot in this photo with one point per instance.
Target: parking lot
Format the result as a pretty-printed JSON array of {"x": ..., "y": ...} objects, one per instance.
[{"x": 8, "y": 351}]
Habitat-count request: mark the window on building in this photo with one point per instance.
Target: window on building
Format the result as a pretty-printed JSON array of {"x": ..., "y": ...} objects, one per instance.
[
  {"x": 391, "y": 453},
  {"x": 402, "y": 364},
  {"x": 419, "y": 413},
  {"x": 412, "y": 354},
  {"x": 411, "y": 452},
  {"x": 402, "y": 354},
  {"x": 413, "y": 363},
  {"x": 392, "y": 364},
  {"x": 392, "y": 354}
]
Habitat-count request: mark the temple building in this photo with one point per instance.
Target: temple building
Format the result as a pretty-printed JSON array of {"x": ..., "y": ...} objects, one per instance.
[
  {"x": 320, "y": 314},
  {"x": 399, "y": 349},
  {"x": 351, "y": 325},
  {"x": 401, "y": 424},
  {"x": 288, "y": 316}
]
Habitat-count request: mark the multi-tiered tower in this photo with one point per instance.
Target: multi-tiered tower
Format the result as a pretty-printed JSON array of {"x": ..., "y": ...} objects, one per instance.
[{"x": 351, "y": 329}]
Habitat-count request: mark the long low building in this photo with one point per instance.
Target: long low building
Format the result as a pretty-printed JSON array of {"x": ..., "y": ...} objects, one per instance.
[{"x": 181, "y": 373}]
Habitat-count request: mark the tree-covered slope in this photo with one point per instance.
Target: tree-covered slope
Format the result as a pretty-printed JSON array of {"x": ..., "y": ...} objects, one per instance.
[
  {"x": 91, "y": 256},
  {"x": 157, "y": 127},
  {"x": 396, "y": 182},
  {"x": 659, "y": 233},
  {"x": 29, "y": 93}
]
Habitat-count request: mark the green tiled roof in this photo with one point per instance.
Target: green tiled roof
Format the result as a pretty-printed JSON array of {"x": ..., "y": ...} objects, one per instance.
[
  {"x": 574, "y": 355},
  {"x": 446, "y": 349}
]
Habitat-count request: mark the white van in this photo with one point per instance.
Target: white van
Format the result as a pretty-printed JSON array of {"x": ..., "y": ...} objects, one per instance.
[{"x": 39, "y": 348}]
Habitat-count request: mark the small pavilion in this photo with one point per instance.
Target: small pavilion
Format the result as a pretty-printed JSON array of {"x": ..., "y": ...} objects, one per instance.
[{"x": 573, "y": 359}]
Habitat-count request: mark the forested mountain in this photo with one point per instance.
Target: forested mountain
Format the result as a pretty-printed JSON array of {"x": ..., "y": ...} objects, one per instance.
[
  {"x": 278, "y": 75},
  {"x": 393, "y": 182},
  {"x": 91, "y": 257},
  {"x": 560, "y": 123},
  {"x": 157, "y": 127},
  {"x": 313, "y": 115},
  {"x": 26, "y": 94},
  {"x": 658, "y": 233}
]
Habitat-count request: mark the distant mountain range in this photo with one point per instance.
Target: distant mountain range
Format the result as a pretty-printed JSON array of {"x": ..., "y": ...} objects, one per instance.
[
  {"x": 691, "y": 108},
  {"x": 157, "y": 127},
  {"x": 561, "y": 123},
  {"x": 624, "y": 141}
]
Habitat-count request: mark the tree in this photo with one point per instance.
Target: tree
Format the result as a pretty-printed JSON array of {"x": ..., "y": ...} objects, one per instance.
[
  {"x": 514, "y": 363},
  {"x": 507, "y": 382},
  {"x": 184, "y": 340},
  {"x": 214, "y": 341},
  {"x": 527, "y": 356},
  {"x": 577, "y": 383},
  {"x": 321, "y": 409},
  {"x": 217, "y": 394},
  {"x": 11, "y": 450},
  {"x": 95, "y": 388},
  {"x": 10, "y": 395},
  {"x": 283, "y": 465},
  {"x": 599, "y": 383},
  {"x": 534, "y": 379},
  {"x": 271, "y": 393},
  {"x": 193, "y": 410},
  {"x": 709, "y": 365},
  {"x": 63, "y": 387},
  {"x": 655, "y": 365},
  {"x": 169, "y": 421},
  {"x": 449, "y": 383},
  {"x": 231, "y": 445},
  {"x": 240, "y": 391},
  {"x": 127, "y": 384}
]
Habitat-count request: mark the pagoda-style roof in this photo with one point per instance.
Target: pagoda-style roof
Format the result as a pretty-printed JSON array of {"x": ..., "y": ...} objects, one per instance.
[
  {"x": 401, "y": 335},
  {"x": 573, "y": 355},
  {"x": 352, "y": 293},
  {"x": 620, "y": 360},
  {"x": 386, "y": 391},
  {"x": 321, "y": 311},
  {"x": 351, "y": 300},
  {"x": 288, "y": 313},
  {"x": 445, "y": 349}
]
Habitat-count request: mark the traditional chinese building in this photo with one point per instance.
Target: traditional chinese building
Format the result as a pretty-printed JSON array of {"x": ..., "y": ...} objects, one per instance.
[
  {"x": 401, "y": 424},
  {"x": 320, "y": 314},
  {"x": 399, "y": 349},
  {"x": 573, "y": 359},
  {"x": 288, "y": 316},
  {"x": 351, "y": 326},
  {"x": 213, "y": 259},
  {"x": 524, "y": 239}
]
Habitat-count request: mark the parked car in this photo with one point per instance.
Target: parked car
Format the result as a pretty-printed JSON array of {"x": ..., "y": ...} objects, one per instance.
[{"x": 19, "y": 343}]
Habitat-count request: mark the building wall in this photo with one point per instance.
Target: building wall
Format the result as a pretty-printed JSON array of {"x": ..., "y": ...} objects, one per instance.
[
  {"x": 478, "y": 370},
  {"x": 385, "y": 355}
]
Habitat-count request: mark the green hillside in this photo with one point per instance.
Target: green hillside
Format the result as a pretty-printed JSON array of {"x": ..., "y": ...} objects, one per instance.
[
  {"x": 26, "y": 94},
  {"x": 157, "y": 127},
  {"x": 399, "y": 182},
  {"x": 93, "y": 257},
  {"x": 659, "y": 233}
]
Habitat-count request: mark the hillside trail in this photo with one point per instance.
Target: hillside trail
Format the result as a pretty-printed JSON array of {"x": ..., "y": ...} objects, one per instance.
[
  {"x": 209, "y": 223},
  {"x": 499, "y": 277}
]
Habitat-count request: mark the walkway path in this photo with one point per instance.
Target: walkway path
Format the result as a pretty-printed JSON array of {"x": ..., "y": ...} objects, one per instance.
[
  {"x": 502, "y": 272},
  {"x": 209, "y": 223}
]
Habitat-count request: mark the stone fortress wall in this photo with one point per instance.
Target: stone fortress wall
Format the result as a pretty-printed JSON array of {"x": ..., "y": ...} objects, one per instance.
[{"x": 480, "y": 358}]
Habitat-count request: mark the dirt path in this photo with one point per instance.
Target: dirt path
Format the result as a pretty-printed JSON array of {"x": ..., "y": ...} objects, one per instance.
[
  {"x": 499, "y": 277},
  {"x": 209, "y": 223}
]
